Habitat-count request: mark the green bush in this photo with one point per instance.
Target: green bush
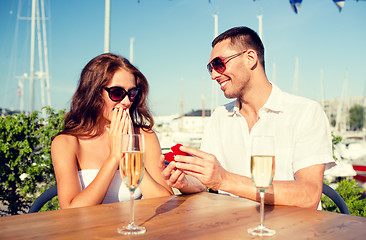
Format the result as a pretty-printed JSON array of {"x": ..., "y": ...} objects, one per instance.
[
  {"x": 26, "y": 168},
  {"x": 350, "y": 192}
]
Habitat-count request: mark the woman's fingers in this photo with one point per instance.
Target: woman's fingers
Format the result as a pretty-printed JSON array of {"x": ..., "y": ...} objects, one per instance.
[
  {"x": 167, "y": 171},
  {"x": 113, "y": 118},
  {"x": 126, "y": 122},
  {"x": 177, "y": 176},
  {"x": 130, "y": 125},
  {"x": 115, "y": 122},
  {"x": 173, "y": 176},
  {"x": 121, "y": 122}
]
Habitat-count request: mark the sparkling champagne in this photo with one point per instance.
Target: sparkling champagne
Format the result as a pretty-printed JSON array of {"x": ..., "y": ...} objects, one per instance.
[
  {"x": 132, "y": 168},
  {"x": 262, "y": 169}
]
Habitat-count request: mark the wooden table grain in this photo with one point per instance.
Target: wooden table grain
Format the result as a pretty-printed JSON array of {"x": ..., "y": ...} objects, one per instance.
[{"x": 196, "y": 216}]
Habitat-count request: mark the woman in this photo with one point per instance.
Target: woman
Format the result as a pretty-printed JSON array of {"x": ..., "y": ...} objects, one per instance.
[{"x": 110, "y": 100}]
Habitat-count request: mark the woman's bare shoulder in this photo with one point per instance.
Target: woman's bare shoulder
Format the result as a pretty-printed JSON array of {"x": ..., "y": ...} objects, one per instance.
[
  {"x": 64, "y": 149},
  {"x": 65, "y": 140},
  {"x": 148, "y": 134}
]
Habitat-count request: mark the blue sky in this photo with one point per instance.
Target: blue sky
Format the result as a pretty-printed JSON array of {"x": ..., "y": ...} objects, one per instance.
[{"x": 172, "y": 44}]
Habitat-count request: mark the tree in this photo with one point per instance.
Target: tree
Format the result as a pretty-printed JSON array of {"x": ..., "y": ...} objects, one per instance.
[
  {"x": 356, "y": 117},
  {"x": 25, "y": 158}
]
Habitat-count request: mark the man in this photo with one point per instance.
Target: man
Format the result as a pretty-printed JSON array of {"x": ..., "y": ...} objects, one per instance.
[{"x": 300, "y": 128}]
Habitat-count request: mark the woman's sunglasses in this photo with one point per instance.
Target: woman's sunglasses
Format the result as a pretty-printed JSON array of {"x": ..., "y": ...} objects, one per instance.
[
  {"x": 219, "y": 63},
  {"x": 117, "y": 94}
]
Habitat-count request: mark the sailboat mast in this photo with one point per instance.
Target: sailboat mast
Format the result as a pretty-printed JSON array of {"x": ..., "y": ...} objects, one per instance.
[
  {"x": 340, "y": 119},
  {"x": 260, "y": 26},
  {"x": 131, "y": 49},
  {"x": 21, "y": 89},
  {"x": 107, "y": 26},
  {"x": 40, "y": 59},
  {"x": 33, "y": 26},
  {"x": 47, "y": 73}
]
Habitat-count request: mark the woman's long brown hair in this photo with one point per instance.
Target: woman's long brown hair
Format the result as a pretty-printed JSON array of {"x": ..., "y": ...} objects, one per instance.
[{"x": 85, "y": 118}]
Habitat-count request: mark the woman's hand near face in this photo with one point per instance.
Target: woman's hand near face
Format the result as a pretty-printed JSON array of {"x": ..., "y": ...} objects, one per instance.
[
  {"x": 115, "y": 133},
  {"x": 120, "y": 124}
]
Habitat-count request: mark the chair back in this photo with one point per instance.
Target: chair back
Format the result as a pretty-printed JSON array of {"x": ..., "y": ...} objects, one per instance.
[
  {"x": 43, "y": 199},
  {"x": 336, "y": 198}
]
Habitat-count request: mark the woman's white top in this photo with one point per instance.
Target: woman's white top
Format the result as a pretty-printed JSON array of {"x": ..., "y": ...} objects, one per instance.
[{"x": 117, "y": 191}]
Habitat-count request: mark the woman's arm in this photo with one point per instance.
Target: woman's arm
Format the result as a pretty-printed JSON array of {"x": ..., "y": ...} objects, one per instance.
[
  {"x": 64, "y": 150},
  {"x": 152, "y": 166}
]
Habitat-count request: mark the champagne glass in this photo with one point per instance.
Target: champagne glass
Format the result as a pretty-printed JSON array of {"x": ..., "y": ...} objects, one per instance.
[
  {"x": 262, "y": 167},
  {"x": 132, "y": 169}
]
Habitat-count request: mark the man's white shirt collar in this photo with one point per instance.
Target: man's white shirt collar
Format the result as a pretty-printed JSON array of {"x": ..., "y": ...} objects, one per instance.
[{"x": 274, "y": 103}]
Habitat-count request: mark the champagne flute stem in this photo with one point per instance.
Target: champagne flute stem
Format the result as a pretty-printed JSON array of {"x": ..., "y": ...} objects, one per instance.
[
  {"x": 132, "y": 210},
  {"x": 261, "y": 194}
]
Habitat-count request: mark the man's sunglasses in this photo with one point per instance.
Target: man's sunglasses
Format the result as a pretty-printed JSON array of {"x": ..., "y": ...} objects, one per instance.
[
  {"x": 219, "y": 63},
  {"x": 117, "y": 94}
]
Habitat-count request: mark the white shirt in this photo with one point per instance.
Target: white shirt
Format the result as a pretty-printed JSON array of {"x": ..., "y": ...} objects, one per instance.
[{"x": 299, "y": 126}]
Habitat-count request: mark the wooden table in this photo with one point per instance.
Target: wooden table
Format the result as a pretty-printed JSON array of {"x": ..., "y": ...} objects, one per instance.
[{"x": 197, "y": 216}]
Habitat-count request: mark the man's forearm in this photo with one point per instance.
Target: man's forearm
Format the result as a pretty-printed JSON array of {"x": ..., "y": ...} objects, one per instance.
[{"x": 303, "y": 192}]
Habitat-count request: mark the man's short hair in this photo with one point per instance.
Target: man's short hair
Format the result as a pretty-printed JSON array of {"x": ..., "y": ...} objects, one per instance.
[{"x": 243, "y": 38}]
